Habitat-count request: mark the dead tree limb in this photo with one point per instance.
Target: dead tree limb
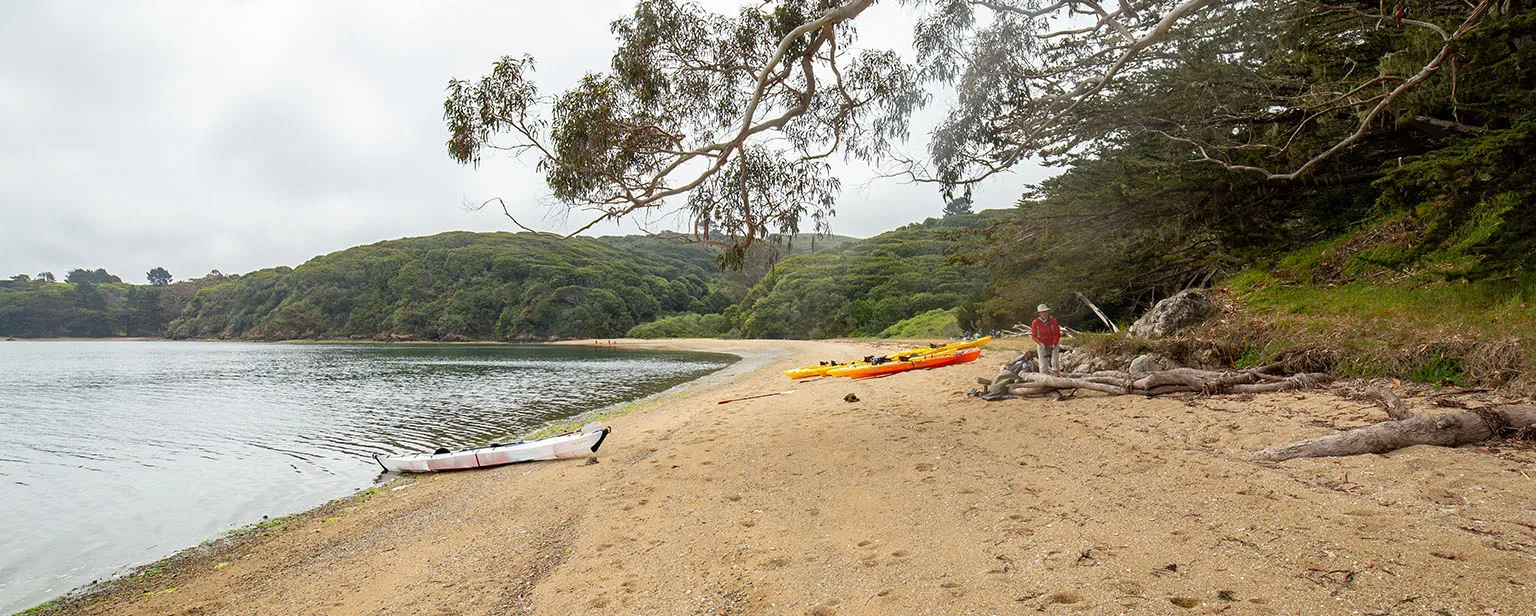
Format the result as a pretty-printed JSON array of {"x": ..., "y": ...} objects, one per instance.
[
  {"x": 1111, "y": 324},
  {"x": 1178, "y": 380},
  {"x": 1389, "y": 401},
  {"x": 1449, "y": 430}
]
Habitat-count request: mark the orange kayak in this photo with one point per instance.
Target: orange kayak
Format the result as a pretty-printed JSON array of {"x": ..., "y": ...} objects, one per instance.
[
  {"x": 932, "y": 361},
  {"x": 841, "y": 369}
]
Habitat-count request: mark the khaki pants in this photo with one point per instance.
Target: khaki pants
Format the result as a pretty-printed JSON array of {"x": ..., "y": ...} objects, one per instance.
[{"x": 1050, "y": 358}]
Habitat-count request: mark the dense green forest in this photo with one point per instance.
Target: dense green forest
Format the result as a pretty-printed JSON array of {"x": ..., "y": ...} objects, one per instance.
[
  {"x": 93, "y": 304},
  {"x": 862, "y": 288},
  {"x": 524, "y": 286},
  {"x": 456, "y": 286}
]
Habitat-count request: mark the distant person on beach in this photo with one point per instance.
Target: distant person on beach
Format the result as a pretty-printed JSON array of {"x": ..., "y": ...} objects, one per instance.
[{"x": 1046, "y": 333}]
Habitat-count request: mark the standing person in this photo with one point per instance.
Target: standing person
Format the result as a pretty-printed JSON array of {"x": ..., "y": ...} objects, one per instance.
[{"x": 1046, "y": 333}]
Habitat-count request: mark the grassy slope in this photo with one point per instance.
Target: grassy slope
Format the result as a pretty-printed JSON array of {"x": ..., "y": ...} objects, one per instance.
[{"x": 1389, "y": 316}]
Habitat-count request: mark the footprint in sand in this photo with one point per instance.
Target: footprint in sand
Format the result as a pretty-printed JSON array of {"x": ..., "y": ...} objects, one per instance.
[
  {"x": 749, "y": 523},
  {"x": 924, "y": 467},
  {"x": 1064, "y": 598},
  {"x": 1184, "y": 602},
  {"x": 733, "y": 497},
  {"x": 775, "y": 563}
]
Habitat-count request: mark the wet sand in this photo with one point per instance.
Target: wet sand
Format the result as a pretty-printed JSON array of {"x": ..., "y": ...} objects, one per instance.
[{"x": 913, "y": 500}]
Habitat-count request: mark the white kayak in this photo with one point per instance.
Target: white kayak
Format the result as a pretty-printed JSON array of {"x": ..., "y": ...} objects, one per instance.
[{"x": 583, "y": 442}]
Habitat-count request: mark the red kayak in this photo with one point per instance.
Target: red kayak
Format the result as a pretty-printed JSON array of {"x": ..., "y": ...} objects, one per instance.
[{"x": 864, "y": 372}]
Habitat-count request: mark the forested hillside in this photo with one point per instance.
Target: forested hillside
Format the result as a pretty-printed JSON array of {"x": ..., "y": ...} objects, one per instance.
[
  {"x": 862, "y": 288},
  {"x": 524, "y": 286},
  {"x": 92, "y": 304},
  {"x": 460, "y": 285},
  {"x": 1204, "y": 167}
]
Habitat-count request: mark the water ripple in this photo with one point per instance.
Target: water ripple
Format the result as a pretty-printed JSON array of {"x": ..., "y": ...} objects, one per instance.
[{"x": 119, "y": 452}]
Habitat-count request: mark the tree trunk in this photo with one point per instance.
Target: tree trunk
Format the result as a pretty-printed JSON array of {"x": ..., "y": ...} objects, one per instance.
[
  {"x": 1448, "y": 430},
  {"x": 1177, "y": 380}
]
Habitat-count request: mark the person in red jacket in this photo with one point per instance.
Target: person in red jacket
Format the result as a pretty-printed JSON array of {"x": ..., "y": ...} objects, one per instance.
[{"x": 1046, "y": 333}]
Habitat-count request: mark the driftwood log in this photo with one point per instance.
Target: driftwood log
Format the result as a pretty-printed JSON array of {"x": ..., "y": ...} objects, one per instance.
[
  {"x": 1178, "y": 380},
  {"x": 1406, "y": 429}
]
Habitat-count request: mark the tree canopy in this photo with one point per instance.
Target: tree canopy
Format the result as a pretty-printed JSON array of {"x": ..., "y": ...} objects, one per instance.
[
  {"x": 158, "y": 277},
  {"x": 737, "y": 114},
  {"x": 732, "y": 116},
  {"x": 96, "y": 276}
]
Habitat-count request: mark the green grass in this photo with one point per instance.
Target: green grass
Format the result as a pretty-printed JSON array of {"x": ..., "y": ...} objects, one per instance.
[
  {"x": 1439, "y": 368},
  {"x": 1249, "y": 359},
  {"x": 39, "y": 609},
  {"x": 1432, "y": 332},
  {"x": 1397, "y": 313}
]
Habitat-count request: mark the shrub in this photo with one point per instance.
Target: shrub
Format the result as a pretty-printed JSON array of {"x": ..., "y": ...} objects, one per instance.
[
  {"x": 687, "y": 325},
  {"x": 932, "y": 324}
]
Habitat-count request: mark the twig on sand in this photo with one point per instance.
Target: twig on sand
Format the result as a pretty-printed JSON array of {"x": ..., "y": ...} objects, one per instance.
[{"x": 777, "y": 393}]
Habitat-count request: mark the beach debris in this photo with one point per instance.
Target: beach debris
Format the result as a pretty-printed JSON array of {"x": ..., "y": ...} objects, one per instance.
[
  {"x": 1107, "y": 323},
  {"x": 1406, "y": 429},
  {"x": 850, "y": 398},
  {"x": 590, "y": 461},
  {"x": 1263, "y": 379},
  {"x": 777, "y": 393}
]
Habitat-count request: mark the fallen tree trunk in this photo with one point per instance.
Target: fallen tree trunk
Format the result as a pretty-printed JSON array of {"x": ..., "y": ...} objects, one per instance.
[
  {"x": 1178, "y": 380},
  {"x": 1449, "y": 430}
]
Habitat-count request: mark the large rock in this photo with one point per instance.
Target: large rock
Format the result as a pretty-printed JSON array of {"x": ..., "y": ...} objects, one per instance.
[
  {"x": 1184, "y": 309},
  {"x": 1148, "y": 363}
]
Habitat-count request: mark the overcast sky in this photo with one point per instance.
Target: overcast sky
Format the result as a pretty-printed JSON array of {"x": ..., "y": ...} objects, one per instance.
[{"x": 206, "y": 135}]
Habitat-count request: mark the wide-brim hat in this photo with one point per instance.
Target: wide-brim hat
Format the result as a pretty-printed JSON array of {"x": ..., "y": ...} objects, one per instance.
[{"x": 1042, "y": 308}]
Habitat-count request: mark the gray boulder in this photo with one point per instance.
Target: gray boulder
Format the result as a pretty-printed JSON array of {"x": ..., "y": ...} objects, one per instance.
[
  {"x": 1144, "y": 364},
  {"x": 1184, "y": 309}
]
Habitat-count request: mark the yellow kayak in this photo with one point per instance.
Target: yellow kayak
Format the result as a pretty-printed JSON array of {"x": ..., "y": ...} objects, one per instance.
[
  {"x": 915, "y": 353},
  {"x": 809, "y": 371}
]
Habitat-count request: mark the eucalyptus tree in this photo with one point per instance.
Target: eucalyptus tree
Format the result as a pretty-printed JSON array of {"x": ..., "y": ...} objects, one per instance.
[
  {"x": 736, "y": 116},
  {"x": 1268, "y": 87}
]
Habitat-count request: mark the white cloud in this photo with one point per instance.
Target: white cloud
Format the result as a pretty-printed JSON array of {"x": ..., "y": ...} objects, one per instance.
[{"x": 241, "y": 135}]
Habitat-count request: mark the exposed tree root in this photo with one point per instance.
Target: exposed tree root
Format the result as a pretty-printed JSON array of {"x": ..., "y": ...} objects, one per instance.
[
  {"x": 1449, "y": 430},
  {"x": 1405, "y": 429}
]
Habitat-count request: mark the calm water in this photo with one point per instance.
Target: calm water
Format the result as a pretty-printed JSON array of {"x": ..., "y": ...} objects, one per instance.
[{"x": 119, "y": 453}]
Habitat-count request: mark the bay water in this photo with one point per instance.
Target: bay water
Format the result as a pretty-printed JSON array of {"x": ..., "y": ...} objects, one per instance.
[{"x": 118, "y": 453}]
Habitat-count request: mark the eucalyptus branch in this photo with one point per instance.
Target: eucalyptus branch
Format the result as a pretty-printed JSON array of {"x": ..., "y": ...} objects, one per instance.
[{"x": 1424, "y": 73}]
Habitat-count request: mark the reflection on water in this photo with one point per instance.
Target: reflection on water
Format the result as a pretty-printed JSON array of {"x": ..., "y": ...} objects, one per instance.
[{"x": 118, "y": 453}]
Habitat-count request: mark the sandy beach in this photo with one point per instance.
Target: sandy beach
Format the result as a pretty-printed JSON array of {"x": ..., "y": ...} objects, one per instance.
[{"x": 913, "y": 500}]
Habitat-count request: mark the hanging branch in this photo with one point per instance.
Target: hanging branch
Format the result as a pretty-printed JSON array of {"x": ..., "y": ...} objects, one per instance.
[
  {"x": 735, "y": 113},
  {"x": 1034, "y": 80}
]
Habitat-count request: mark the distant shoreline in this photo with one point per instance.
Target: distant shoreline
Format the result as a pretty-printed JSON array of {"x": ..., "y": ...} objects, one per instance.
[{"x": 70, "y": 339}]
